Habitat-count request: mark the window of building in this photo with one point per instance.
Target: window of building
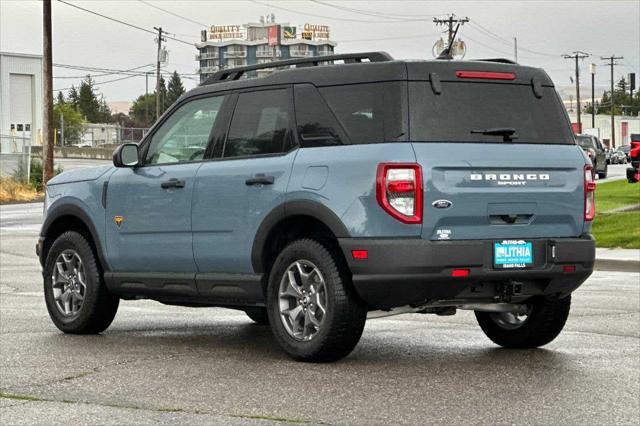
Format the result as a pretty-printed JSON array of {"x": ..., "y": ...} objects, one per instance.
[
  {"x": 260, "y": 124},
  {"x": 184, "y": 136}
]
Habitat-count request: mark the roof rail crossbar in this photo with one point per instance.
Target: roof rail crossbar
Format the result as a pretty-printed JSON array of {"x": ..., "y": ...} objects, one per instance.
[
  {"x": 351, "y": 58},
  {"x": 498, "y": 60}
]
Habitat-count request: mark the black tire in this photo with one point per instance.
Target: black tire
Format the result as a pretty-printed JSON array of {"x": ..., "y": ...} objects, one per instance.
[
  {"x": 545, "y": 321},
  {"x": 345, "y": 316},
  {"x": 99, "y": 306},
  {"x": 258, "y": 315},
  {"x": 603, "y": 174}
]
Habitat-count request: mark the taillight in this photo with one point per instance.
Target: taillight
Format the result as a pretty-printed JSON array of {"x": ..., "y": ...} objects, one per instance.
[
  {"x": 399, "y": 190},
  {"x": 589, "y": 193}
]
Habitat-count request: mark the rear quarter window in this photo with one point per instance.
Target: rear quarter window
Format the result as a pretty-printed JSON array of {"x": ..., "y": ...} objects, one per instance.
[
  {"x": 463, "y": 107},
  {"x": 371, "y": 112}
]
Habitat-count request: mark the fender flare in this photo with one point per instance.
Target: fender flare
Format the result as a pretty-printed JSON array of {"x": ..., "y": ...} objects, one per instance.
[
  {"x": 290, "y": 209},
  {"x": 57, "y": 212}
]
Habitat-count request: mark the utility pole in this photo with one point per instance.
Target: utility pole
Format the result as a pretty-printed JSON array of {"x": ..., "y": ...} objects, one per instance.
[
  {"x": 146, "y": 97},
  {"x": 61, "y": 129},
  {"x": 612, "y": 63},
  {"x": 577, "y": 55},
  {"x": 47, "y": 131},
  {"x": 592, "y": 70},
  {"x": 449, "y": 22},
  {"x": 160, "y": 40},
  {"x": 515, "y": 49}
]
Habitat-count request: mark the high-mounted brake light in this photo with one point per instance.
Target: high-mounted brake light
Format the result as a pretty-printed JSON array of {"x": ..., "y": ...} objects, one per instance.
[
  {"x": 589, "y": 193},
  {"x": 486, "y": 75},
  {"x": 460, "y": 273},
  {"x": 399, "y": 190}
]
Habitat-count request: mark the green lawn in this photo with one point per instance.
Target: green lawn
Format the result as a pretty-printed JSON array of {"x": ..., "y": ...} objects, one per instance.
[
  {"x": 621, "y": 229},
  {"x": 619, "y": 193}
]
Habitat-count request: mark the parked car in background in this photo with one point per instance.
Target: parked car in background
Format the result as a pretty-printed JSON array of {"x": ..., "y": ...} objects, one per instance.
[
  {"x": 595, "y": 150},
  {"x": 618, "y": 156},
  {"x": 626, "y": 150}
]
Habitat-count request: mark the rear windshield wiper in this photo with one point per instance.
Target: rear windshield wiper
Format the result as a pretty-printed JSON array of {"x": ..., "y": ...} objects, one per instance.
[{"x": 508, "y": 133}]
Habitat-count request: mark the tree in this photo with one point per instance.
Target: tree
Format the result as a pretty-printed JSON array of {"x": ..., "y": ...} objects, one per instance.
[
  {"x": 88, "y": 101},
  {"x": 72, "y": 122},
  {"x": 74, "y": 97},
  {"x": 163, "y": 96},
  {"x": 175, "y": 89},
  {"x": 143, "y": 110},
  {"x": 60, "y": 100}
]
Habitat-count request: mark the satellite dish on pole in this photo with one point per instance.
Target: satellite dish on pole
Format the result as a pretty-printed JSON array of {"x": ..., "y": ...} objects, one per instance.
[{"x": 458, "y": 50}]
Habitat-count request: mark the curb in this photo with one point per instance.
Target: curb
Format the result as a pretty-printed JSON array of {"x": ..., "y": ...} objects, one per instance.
[{"x": 617, "y": 265}]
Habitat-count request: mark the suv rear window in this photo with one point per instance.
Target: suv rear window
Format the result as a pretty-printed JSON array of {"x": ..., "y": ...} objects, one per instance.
[
  {"x": 584, "y": 141},
  {"x": 371, "y": 112},
  {"x": 463, "y": 107}
]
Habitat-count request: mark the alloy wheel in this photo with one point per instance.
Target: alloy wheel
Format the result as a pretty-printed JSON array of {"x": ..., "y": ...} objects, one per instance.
[
  {"x": 302, "y": 300},
  {"x": 69, "y": 283}
]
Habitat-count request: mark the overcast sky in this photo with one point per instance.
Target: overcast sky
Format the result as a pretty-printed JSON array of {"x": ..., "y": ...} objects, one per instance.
[{"x": 544, "y": 29}]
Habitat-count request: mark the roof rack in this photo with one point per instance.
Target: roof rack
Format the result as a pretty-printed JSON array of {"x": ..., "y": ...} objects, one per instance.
[
  {"x": 498, "y": 60},
  {"x": 231, "y": 74}
]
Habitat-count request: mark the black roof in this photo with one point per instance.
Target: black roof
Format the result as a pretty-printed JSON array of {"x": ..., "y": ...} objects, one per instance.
[{"x": 363, "y": 68}]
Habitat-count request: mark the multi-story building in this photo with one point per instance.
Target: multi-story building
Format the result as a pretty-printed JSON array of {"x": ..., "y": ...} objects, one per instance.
[{"x": 228, "y": 46}]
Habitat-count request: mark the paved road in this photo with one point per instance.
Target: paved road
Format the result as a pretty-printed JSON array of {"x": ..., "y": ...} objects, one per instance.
[{"x": 162, "y": 364}]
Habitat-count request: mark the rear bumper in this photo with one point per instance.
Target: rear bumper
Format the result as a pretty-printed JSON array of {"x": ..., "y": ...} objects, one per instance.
[{"x": 400, "y": 272}]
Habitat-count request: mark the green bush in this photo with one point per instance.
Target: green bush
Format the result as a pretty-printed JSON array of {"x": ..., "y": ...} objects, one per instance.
[{"x": 35, "y": 175}]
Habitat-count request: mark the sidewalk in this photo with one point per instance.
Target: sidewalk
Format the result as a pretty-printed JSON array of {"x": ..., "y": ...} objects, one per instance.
[{"x": 624, "y": 260}]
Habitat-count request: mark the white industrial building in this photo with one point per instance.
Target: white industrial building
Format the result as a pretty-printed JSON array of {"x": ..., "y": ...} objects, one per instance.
[{"x": 20, "y": 100}]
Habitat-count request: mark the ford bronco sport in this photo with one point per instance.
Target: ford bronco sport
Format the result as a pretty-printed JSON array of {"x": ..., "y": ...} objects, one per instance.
[{"x": 341, "y": 188}]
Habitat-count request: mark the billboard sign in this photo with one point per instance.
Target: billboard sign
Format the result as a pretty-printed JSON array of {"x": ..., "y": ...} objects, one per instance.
[
  {"x": 289, "y": 33},
  {"x": 273, "y": 35},
  {"x": 225, "y": 32},
  {"x": 318, "y": 32}
]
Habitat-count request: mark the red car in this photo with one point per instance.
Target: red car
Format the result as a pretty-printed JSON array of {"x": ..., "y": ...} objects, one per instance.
[{"x": 633, "y": 172}]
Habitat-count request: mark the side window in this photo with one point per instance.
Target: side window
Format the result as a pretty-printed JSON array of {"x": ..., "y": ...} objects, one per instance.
[
  {"x": 315, "y": 122},
  {"x": 260, "y": 124},
  {"x": 371, "y": 112},
  {"x": 185, "y": 134}
]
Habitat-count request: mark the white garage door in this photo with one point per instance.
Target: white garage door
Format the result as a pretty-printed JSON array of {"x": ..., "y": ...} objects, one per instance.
[{"x": 21, "y": 103}]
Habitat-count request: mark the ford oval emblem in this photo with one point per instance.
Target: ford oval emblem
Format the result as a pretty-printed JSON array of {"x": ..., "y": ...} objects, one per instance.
[{"x": 442, "y": 204}]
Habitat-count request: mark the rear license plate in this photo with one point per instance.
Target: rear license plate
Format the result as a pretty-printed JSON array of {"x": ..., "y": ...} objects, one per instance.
[{"x": 512, "y": 254}]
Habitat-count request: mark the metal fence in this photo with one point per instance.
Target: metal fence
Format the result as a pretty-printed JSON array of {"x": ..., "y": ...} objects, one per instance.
[{"x": 15, "y": 157}]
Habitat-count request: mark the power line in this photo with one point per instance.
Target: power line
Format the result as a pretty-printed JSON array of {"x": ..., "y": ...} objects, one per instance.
[
  {"x": 105, "y": 71},
  {"x": 121, "y": 22},
  {"x": 103, "y": 82},
  {"x": 366, "y": 21},
  {"x": 397, "y": 16},
  {"x": 174, "y": 14}
]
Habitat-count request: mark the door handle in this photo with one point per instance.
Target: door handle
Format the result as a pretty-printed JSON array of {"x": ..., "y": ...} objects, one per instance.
[
  {"x": 260, "y": 180},
  {"x": 172, "y": 183}
]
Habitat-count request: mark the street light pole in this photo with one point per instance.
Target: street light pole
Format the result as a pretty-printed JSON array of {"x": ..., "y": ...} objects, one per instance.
[{"x": 592, "y": 70}]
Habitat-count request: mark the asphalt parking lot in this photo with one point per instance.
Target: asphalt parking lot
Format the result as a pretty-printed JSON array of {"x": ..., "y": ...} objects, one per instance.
[{"x": 162, "y": 364}]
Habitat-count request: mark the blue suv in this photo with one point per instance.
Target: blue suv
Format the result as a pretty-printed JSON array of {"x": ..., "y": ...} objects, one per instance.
[{"x": 336, "y": 189}]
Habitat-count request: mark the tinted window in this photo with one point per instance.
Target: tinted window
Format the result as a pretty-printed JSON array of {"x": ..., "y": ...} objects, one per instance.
[
  {"x": 316, "y": 124},
  {"x": 370, "y": 113},
  {"x": 260, "y": 124},
  {"x": 465, "y": 107},
  {"x": 584, "y": 141},
  {"x": 184, "y": 136}
]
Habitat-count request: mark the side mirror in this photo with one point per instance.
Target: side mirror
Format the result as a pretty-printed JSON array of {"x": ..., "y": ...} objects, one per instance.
[{"x": 126, "y": 155}]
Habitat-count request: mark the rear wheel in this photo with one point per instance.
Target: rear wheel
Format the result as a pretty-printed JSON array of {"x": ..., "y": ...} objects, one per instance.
[
  {"x": 76, "y": 296},
  {"x": 541, "y": 324},
  {"x": 603, "y": 174},
  {"x": 313, "y": 312}
]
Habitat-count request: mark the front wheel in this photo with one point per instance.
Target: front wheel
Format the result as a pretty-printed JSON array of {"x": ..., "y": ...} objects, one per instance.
[
  {"x": 75, "y": 294},
  {"x": 541, "y": 324},
  {"x": 314, "y": 314}
]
